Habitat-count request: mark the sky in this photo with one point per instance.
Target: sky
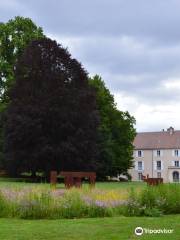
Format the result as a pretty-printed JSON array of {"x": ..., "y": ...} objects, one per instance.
[{"x": 134, "y": 45}]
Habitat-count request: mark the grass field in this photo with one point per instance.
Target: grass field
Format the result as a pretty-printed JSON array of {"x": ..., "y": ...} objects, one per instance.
[
  {"x": 101, "y": 185},
  {"x": 111, "y": 228},
  {"x": 118, "y": 228}
]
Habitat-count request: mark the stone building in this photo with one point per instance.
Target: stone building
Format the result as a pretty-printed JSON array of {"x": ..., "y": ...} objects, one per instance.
[{"x": 158, "y": 155}]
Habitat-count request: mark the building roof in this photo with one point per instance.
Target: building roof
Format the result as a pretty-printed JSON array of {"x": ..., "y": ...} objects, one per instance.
[{"x": 169, "y": 139}]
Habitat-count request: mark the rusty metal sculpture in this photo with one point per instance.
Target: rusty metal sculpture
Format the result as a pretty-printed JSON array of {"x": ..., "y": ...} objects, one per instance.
[
  {"x": 73, "y": 179},
  {"x": 53, "y": 178},
  {"x": 152, "y": 181}
]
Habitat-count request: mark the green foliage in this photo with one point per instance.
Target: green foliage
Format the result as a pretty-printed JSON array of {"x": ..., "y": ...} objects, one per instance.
[
  {"x": 15, "y": 35},
  {"x": 154, "y": 201},
  {"x": 116, "y": 133},
  {"x": 3, "y": 205}
]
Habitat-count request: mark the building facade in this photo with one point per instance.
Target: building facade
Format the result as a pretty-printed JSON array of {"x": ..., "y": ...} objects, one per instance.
[{"x": 158, "y": 155}]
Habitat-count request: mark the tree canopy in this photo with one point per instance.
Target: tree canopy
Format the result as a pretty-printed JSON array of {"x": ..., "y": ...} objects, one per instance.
[
  {"x": 52, "y": 119},
  {"x": 55, "y": 117},
  {"x": 115, "y": 133},
  {"x": 15, "y": 35}
]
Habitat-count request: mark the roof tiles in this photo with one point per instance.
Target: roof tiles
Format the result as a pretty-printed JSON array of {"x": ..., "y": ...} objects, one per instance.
[{"x": 157, "y": 140}]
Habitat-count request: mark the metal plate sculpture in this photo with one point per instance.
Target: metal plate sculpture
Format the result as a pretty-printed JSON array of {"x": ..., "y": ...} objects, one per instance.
[{"x": 73, "y": 179}]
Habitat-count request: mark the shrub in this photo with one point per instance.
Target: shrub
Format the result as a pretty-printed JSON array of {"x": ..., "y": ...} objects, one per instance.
[{"x": 154, "y": 200}]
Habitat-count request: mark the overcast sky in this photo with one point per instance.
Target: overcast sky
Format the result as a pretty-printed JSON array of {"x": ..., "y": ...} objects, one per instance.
[{"x": 134, "y": 45}]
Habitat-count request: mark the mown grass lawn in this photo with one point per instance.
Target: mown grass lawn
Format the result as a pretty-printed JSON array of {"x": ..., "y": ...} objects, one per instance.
[
  {"x": 5, "y": 182},
  {"x": 117, "y": 228}
]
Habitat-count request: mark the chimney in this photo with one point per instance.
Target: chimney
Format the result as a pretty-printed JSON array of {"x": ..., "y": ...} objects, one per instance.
[{"x": 170, "y": 130}]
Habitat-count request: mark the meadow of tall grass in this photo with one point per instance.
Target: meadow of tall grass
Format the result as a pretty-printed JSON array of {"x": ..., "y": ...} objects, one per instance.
[{"x": 36, "y": 202}]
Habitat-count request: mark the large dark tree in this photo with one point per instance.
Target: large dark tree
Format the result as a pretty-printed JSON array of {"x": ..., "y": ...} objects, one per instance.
[
  {"x": 115, "y": 133},
  {"x": 52, "y": 119},
  {"x": 15, "y": 35}
]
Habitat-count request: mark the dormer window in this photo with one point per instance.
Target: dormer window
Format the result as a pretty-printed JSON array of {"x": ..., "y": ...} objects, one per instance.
[{"x": 170, "y": 130}]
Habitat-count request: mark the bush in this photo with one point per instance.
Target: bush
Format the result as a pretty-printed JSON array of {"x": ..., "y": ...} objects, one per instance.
[{"x": 154, "y": 200}]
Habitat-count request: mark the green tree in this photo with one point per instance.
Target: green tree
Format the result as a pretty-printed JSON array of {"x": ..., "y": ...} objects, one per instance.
[
  {"x": 15, "y": 35},
  {"x": 116, "y": 133},
  {"x": 52, "y": 119}
]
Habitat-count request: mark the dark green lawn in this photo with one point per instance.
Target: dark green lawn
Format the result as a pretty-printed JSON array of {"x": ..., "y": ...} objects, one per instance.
[{"x": 119, "y": 228}]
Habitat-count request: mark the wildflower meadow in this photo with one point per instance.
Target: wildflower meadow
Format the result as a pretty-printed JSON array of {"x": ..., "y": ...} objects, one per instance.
[{"x": 36, "y": 202}]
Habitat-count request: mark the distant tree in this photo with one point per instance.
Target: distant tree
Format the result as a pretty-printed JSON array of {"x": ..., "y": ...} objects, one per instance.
[
  {"x": 116, "y": 133},
  {"x": 52, "y": 119},
  {"x": 15, "y": 35}
]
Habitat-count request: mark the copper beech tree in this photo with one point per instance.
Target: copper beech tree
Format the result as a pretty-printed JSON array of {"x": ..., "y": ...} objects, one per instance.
[
  {"x": 15, "y": 35},
  {"x": 52, "y": 119}
]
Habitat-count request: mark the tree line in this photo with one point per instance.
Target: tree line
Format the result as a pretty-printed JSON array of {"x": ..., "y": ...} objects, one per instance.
[{"x": 53, "y": 116}]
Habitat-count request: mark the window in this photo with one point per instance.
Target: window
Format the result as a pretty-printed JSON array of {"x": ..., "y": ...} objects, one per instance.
[
  {"x": 158, "y": 165},
  {"x": 158, "y": 153},
  {"x": 158, "y": 175},
  {"x": 140, "y": 176},
  {"x": 175, "y": 176},
  {"x": 140, "y": 154},
  {"x": 176, "y": 163},
  {"x": 139, "y": 165},
  {"x": 176, "y": 152}
]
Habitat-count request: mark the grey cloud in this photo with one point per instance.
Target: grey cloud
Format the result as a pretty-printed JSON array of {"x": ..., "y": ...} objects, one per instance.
[
  {"x": 133, "y": 44},
  {"x": 132, "y": 66},
  {"x": 156, "y": 19},
  {"x": 146, "y": 89},
  {"x": 117, "y": 57}
]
